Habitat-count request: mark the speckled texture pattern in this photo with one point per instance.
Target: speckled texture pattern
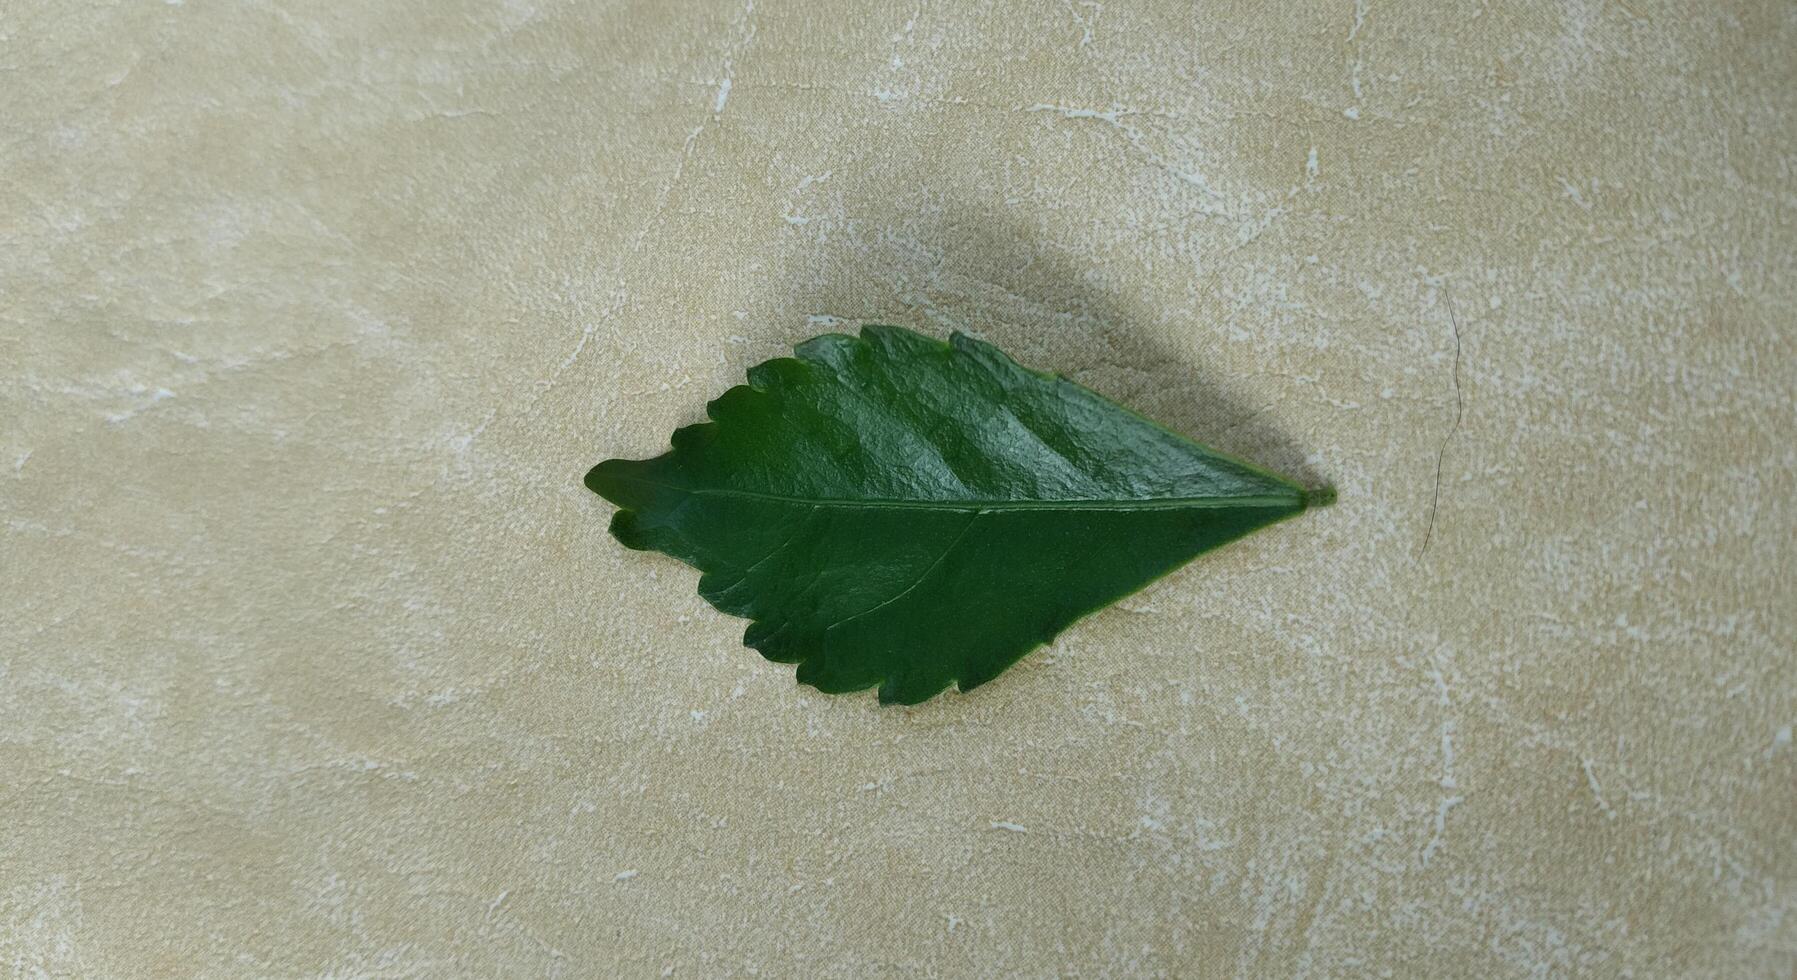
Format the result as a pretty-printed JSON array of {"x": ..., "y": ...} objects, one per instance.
[{"x": 316, "y": 659}]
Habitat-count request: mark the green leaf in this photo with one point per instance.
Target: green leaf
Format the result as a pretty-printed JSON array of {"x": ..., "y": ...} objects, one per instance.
[{"x": 892, "y": 510}]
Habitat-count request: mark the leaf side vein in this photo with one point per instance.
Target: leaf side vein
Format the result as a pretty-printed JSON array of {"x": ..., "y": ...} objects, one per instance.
[{"x": 921, "y": 577}]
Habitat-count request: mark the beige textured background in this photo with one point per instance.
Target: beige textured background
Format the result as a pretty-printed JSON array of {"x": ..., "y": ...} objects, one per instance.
[{"x": 316, "y": 659}]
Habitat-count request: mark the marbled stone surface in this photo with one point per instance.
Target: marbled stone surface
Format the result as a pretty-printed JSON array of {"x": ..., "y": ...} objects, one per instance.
[{"x": 316, "y": 658}]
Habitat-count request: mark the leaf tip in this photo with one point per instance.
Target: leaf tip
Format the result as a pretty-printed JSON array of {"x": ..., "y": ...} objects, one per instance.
[
  {"x": 622, "y": 482},
  {"x": 601, "y": 477},
  {"x": 1319, "y": 497}
]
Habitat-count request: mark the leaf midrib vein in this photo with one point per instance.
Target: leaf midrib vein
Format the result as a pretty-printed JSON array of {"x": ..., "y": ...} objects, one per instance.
[{"x": 986, "y": 506}]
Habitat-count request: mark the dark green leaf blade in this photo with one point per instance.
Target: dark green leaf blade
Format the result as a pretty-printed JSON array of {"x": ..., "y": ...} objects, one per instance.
[{"x": 894, "y": 511}]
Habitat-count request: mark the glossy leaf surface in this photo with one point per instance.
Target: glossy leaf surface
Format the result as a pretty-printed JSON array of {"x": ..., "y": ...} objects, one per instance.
[{"x": 898, "y": 512}]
